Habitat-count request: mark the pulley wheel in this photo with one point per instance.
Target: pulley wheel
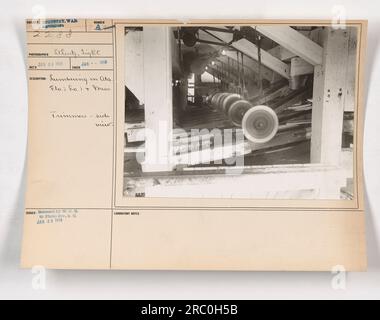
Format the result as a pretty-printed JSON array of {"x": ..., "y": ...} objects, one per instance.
[
  {"x": 229, "y": 100},
  {"x": 214, "y": 100},
  {"x": 209, "y": 97},
  {"x": 221, "y": 99},
  {"x": 189, "y": 39},
  {"x": 260, "y": 124},
  {"x": 237, "y": 110}
]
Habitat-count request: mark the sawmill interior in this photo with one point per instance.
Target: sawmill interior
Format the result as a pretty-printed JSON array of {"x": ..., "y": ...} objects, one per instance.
[{"x": 282, "y": 98}]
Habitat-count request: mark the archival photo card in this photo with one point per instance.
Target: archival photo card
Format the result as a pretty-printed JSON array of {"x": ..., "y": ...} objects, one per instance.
[{"x": 211, "y": 145}]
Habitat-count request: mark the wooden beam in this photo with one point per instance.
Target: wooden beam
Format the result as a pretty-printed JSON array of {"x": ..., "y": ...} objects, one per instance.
[
  {"x": 349, "y": 103},
  {"x": 281, "y": 53},
  {"x": 215, "y": 36},
  {"x": 281, "y": 182},
  {"x": 293, "y": 41},
  {"x": 158, "y": 98},
  {"x": 299, "y": 67},
  {"x": 133, "y": 47},
  {"x": 251, "y": 50},
  {"x": 328, "y": 98},
  {"x": 250, "y": 64}
]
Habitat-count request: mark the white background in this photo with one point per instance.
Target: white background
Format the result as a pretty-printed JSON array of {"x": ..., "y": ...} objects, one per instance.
[{"x": 16, "y": 283}]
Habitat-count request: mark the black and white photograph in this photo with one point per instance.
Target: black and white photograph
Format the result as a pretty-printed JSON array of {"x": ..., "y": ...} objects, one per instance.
[{"x": 244, "y": 111}]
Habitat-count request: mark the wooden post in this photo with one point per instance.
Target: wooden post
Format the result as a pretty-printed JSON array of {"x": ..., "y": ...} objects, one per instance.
[
  {"x": 328, "y": 98},
  {"x": 299, "y": 67},
  {"x": 349, "y": 103},
  {"x": 157, "y": 72},
  {"x": 134, "y": 79},
  {"x": 281, "y": 53}
]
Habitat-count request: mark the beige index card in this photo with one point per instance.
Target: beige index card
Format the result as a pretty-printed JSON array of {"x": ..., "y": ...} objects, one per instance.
[{"x": 215, "y": 145}]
